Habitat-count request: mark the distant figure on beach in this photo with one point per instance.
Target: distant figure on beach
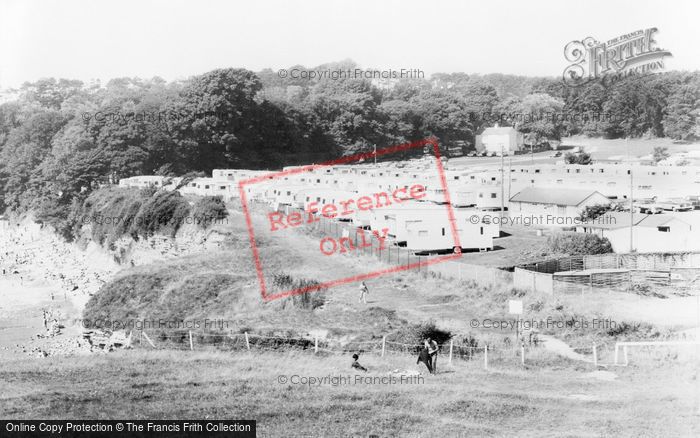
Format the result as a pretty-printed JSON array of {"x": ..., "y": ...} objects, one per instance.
[
  {"x": 363, "y": 292},
  {"x": 356, "y": 364}
]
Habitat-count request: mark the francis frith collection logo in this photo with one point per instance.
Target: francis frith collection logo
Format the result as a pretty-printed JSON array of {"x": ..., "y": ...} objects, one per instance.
[{"x": 628, "y": 54}]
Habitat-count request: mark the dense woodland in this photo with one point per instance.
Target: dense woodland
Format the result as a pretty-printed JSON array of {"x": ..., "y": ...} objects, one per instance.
[{"x": 62, "y": 138}]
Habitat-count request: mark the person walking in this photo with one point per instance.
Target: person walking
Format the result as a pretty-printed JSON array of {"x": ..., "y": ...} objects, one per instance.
[{"x": 363, "y": 292}]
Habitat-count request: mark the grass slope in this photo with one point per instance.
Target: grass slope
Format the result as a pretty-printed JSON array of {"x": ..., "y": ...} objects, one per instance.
[{"x": 463, "y": 400}]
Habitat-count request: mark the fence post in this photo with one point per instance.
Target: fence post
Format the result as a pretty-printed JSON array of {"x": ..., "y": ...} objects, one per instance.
[
  {"x": 191, "y": 344},
  {"x": 595, "y": 356},
  {"x": 383, "y": 345},
  {"x": 624, "y": 352},
  {"x": 486, "y": 357},
  {"x": 315, "y": 344},
  {"x": 247, "y": 342},
  {"x": 616, "y": 351},
  {"x": 450, "y": 359},
  {"x": 148, "y": 339},
  {"x": 522, "y": 354}
]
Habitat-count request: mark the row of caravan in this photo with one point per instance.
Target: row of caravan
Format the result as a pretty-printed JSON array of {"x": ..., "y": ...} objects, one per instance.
[
  {"x": 418, "y": 225},
  {"x": 465, "y": 189}
]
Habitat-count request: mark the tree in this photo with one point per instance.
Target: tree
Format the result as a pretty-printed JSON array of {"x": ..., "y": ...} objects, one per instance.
[
  {"x": 215, "y": 123},
  {"x": 542, "y": 117},
  {"x": 49, "y": 93},
  {"x": 682, "y": 116}
]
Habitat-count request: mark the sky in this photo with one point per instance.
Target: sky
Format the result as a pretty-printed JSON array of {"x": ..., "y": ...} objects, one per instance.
[{"x": 175, "y": 39}]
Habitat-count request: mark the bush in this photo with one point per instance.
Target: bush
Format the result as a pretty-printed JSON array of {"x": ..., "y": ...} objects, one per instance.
[
  {"x": 593, "y": 212},
  {"x": 417, "y": 333},
  {"x": 580, "y": 158},
  {"x": 114, "y": 212},
  {"x": 578, "y": 244},
  {"x": 163, "y": 212},
  {"x": 208, "y": 210},
  {"x": 313, "y": 299}
]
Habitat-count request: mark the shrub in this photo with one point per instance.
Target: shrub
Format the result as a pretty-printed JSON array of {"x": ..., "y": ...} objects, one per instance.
[
  {"x": 313, "y": 299},
  {"x": 209, "y": 209},
  {"x": 580, "y": 158},
  {"x": 163, "y": 212},
  {"x": 417, "y": 333},
  {"x": 578, "y": 244},
  {"x": 593, "y": 212}
]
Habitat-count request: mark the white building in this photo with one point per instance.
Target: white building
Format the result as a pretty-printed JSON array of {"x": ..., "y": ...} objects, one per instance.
[
  {"x": 144, "y": 181},
  {"x": 496, "y": 140},
  {"x": 555, "y": 207},
  {"x": 210, "y": 187},
  {"x": 676, "y": 232}
]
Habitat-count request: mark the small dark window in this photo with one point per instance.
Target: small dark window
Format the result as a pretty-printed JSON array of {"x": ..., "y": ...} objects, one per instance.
[
  {"x": 443, "y": 231},
  {"x": 665, "y": 229}
]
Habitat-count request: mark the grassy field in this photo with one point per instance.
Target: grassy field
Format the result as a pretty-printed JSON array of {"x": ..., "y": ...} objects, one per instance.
[{"x": 462, "y": 400}]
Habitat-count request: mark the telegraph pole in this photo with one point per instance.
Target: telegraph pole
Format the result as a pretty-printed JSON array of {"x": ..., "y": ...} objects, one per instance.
[
  {"x": 502, "y": 181},
  {"x": 631, "y": 198},
  {"x": 510, "y": 176}
]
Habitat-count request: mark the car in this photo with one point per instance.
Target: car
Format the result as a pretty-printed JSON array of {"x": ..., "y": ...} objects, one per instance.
[
  {"x": 694, "y": 201},
  {"x": 675, "y": 205},
  {"x": 650, "y": 209}
]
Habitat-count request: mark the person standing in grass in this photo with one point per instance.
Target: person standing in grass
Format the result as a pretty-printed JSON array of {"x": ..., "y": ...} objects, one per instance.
[
  {"x": 424, "y": 356},
  {"x": 363, "y": 292},
  {"x": 433, "y": 348}
]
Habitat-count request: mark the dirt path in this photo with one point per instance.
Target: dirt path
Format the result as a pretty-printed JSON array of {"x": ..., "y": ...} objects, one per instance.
[{"x": 562, "y": 348}]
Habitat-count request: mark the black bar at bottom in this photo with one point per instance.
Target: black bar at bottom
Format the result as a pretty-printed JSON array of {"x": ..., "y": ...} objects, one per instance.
[{"x": 127, "y": 428}]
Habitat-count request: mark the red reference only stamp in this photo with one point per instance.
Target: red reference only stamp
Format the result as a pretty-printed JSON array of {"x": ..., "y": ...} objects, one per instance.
[{"x": 343, "y": 208}]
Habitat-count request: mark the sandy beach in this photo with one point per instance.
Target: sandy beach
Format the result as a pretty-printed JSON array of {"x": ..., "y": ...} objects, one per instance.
[{"x": 44, "y": 284}]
